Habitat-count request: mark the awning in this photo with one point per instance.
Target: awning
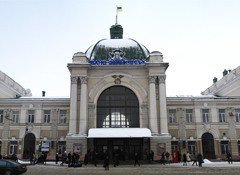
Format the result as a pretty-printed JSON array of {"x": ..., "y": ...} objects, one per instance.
[{"x": 119, "y": 133}]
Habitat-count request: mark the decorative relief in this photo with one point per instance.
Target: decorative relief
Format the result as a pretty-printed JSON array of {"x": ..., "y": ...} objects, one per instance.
[
  {"x": 74, "y": 80},
  {"x": 162, "y": 79},
  {"x": 117, "y": 78},
  {"x": 83, "y": 80},
  {"x": 152, "y": 79}
]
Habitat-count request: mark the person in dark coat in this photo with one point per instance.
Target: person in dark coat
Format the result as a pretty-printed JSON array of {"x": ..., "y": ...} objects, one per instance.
[
  {"x": 56, "y": 158},
  {"x": 194, "y": 159},
  {"x": 229, "y": 157},
  {"x": 106, "y": 162},
  {"x": 136, "y": 157},
  {"x": 184, "y": 159},
  {"x": 200, "y": 159},
  {"x": 94, "y": 158}
]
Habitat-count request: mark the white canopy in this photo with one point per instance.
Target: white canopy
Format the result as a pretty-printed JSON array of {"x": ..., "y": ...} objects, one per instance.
[{"x": 119, "y": 133}]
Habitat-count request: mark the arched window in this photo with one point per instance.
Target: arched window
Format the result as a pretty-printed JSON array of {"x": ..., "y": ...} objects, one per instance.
[{"x": 117, "y": 107}]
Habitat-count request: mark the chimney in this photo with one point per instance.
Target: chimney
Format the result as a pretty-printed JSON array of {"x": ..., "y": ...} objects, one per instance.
[{"x": 43, "y": 93}]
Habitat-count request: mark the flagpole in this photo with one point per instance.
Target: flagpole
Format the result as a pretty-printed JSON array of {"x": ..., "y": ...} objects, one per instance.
[{"x": 116, "y": 15}]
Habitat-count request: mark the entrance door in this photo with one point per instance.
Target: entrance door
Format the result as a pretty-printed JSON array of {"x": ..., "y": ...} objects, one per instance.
[
  {"x": 124, "y": 147},
  {"x": 208, "y": 146},
  {"x": 29, "y": 145}
]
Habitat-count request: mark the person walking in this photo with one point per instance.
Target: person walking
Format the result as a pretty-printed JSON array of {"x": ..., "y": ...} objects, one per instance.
[
  {"x": 56, "y": 158},
  {"x": 194, "y": 159},
  {"x": 136, "y": 157},
  {"x": 184, "y": 159},
  {"x": 106, "y": 162},
  {"x": 229, "y": 157},
  {"x": 200, "y": 159}
]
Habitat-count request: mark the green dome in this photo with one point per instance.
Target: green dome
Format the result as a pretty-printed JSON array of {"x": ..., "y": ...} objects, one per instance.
[{"x": 117, "y": 49}]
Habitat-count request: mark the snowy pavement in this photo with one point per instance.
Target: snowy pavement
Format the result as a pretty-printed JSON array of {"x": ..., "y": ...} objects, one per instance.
[{"x": 207, "y": 163}]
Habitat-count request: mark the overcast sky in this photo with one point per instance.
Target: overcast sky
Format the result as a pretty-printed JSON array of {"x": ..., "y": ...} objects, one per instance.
[{"x": 198, "y": 38}]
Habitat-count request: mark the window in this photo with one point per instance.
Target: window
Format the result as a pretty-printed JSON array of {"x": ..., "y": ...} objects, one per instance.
[
  {"x": 221, "y": 115},
  {"x": 238, "y": 147},
  {"x": 174, "y": 146},
  {"x": 31, "y": 116},
  {"x": 46, "y": 116},
  {"x": 172, "y": 116},
  {"x": 189, "y": 118},
  {"x": 224, "y": 147},
  {"x": 63, "y": 116},
  {"x": 1, "y": 116},
  {"x": 191, "y": 147},
  {"x": 237, "y": 113},
  {"x": 117, "y": 107},
  {"x": 15, "y": 118},
  {"x": 205, "y": 115},
  {"x": 13, "y": 147}
]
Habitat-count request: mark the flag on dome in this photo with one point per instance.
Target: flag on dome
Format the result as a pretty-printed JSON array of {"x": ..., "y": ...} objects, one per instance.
[{"x": 119, "y": 9}]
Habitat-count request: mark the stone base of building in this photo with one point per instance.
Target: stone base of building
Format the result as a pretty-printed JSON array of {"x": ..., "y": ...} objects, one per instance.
[
  {"x": 76, "y": 143},
  {"x": 160, "y": 144}
]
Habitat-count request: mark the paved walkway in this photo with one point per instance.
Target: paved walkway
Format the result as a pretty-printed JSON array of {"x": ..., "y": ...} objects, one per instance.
[{"x": 212, "y": 168}]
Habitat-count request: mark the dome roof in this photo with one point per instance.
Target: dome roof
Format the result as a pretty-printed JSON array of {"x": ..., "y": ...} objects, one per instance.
[{"x": 117, "y": 49}]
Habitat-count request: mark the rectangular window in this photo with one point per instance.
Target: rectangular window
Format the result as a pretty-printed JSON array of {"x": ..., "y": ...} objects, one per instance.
[
  {"x": 1, "y": 116},
  {"x": 13, "y": 148},
  {"x": 189, "y": 118},
  {"x": 31, "y": 116},
  {"x": 221, "y": 115},
  {"x": 63, "y": 116},
  {"x": 224, "y": 147},
  {"x": 237, "y": 114},
  {"x": 15, "y": 118},
  {"x": 172, "y": 116},
  {"x": 191, "y": 147},
  {"x": 46, "y": 116},
  {"x": 205, "y": 115}
]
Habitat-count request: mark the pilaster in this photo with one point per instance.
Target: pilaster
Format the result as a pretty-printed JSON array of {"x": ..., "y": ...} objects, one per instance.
[{"x": 152, "y": 105}]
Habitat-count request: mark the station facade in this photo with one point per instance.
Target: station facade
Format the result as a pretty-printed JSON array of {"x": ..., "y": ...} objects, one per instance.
[{"x": 118, "y": 104}]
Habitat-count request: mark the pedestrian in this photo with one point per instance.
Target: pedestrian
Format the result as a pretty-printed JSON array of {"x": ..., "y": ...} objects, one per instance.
[
  {"x": 94, "y": 158},
  {"x": 56, "y": 158},
  {"x": 167, "y": 157},
  {"x": 194, "y": 159},
  {"x": 229, "y": 157},
  {"x": 45, "y": 158},
  {"x": 1, "y": 157},
  {"x": 69, "y": 158},
  {"x": 200, "y": 159},
  {"x": 86, "y": 158},
  {"x": 162, "y": 160},
  {"x": 116, "y": 159},
  {"x": 64, "y": 157},
  {"x": 106, "y": 162},
  {"x": 188, "y": 157},
  {"x": 136, "y": 157},
  {"x": 151, "y": 155},
  {"x": 184, "y": 159}
]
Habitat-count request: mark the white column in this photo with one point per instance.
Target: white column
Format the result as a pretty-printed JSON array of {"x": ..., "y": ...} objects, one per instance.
[
  {"x": 73, "y": 106},
  {"x": 152, "y": 105},
  {"x": 83, "y": 107},
  {"x": 163, "y": 106}
]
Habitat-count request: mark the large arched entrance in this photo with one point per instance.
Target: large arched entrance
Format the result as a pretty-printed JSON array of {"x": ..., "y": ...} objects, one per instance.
[
  {"x": 118, "y": 107},
  {"x": 208, "y": 146},
  {"x": 29, "y": 145}
]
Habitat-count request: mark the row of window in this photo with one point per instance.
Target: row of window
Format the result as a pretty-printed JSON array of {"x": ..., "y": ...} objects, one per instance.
[
  {"x": 192, "y": 148},
  {"x": 205, "y": 115},
  {"x": 31, "y": 116}
]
